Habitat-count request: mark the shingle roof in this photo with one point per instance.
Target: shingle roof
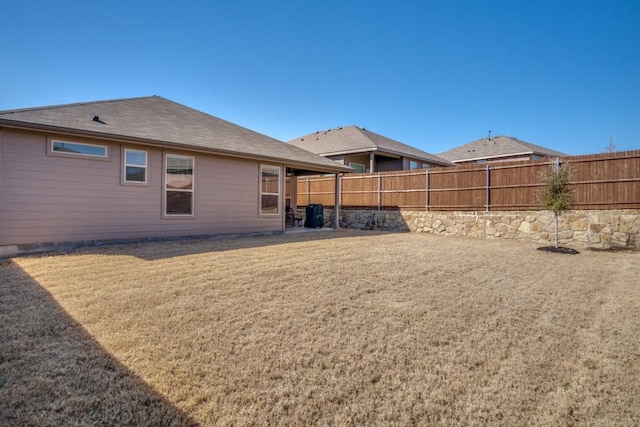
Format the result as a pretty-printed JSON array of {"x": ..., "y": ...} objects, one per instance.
[
  {"x": 156, "y": 120},
  {"x": 352, "y": 139},
  {"x": 496, "y": 147}
]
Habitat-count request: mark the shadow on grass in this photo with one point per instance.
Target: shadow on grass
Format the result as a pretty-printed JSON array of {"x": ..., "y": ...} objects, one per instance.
[
  {"x": 559, "y": 250},
  {"x": 52, "y": 372},
  {"x": 169, "y": 248}
]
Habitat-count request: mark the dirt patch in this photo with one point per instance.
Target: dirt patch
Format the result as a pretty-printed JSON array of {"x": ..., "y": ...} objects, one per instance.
[{"x": 559, "y": 250}]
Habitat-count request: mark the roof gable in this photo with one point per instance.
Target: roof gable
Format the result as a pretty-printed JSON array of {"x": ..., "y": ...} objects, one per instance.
[
  {"x": 353, "y": 139},
  {"x": 496, "y": 147},
  {"x": 158, "y": 120}
]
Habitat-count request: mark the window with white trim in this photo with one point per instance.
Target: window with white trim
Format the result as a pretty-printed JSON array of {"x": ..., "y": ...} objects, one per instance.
[
  {"x": 135, "y": 166},
  {"x": 269, "y": 190},
  {"x": 78, "y": 149},
  {"x": 179, "y": 185}
]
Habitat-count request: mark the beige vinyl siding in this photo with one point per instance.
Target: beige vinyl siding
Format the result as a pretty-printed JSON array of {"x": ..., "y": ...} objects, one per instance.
[{"x": 58, "y": 199}]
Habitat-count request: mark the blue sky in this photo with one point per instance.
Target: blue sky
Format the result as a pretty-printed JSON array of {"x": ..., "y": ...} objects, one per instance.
[{"x": 564, "y": 74}]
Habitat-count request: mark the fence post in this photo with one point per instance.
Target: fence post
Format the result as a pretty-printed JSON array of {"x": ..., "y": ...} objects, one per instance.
[
  {"x": 487, "y": 205},
  {"x": 426, "y": 191},
  {"x": 336, "y": 199},
  {"x": 308, "y": 195},
  {"x": 379, "y": 192},
  {"x": 340, "y": 200}
]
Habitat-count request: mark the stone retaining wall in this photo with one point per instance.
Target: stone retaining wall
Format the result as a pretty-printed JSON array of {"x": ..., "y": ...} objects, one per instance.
[{"x": 586, "y": 228}]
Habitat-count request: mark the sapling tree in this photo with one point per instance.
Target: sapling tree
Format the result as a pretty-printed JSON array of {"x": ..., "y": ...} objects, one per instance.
[{"x": 557, "y": 196}]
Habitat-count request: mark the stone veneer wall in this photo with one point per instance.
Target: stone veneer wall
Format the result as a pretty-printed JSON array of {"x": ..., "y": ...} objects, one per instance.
[{"x": 587, "y": 228}]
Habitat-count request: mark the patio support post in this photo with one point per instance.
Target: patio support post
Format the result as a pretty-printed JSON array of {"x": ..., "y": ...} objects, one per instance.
[{"x": 372, "y": 162}]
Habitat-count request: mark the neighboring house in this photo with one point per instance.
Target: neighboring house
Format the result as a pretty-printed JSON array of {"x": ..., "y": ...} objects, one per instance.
[
  {"x": 139, "y": 168},
  {"x": 498, "y": 149},
  {"x": 366, "y": 151}
]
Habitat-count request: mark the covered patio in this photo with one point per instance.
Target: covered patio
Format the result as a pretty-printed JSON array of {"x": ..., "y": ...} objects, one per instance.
[{"x": 293, "y": 219}]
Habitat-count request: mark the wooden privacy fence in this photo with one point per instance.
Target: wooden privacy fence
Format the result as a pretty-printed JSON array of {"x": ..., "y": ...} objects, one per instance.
[{"x": 599, "y": 181}]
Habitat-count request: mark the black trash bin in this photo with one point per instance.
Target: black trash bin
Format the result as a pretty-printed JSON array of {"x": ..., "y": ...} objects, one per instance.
[{"x": 315, "y": 216}]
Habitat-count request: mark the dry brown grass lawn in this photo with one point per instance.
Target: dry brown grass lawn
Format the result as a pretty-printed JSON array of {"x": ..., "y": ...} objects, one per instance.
[{"x": 344, "y": 328}]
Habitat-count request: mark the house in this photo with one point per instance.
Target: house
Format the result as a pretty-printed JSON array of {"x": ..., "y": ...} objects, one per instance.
[
  {"x": 366, "y": 151},
  {"x": 498, "y": 149},
  {"x": 139, "y": 168}
]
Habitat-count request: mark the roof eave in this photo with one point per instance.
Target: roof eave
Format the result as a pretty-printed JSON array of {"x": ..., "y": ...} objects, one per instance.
[
  {"x": 345, "y": 152},
  {"x": 499, "y": 156},
  {"x": 421, "y": 158},
  {"x": 317, "y": 169},
  {"x": 150, "y": 142},
  {"x": 384, "y": 151}
]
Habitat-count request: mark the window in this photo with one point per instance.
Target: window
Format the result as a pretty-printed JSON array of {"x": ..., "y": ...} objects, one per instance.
[
  {"x": 357, "y": 167},
  {"x": 78, "y": 149},
  {"x": 178, "y": 185},
  {"x": 269, "y": 190},
  {"x": 417, "y": 165},
  {"x": 135, "y": 166}
]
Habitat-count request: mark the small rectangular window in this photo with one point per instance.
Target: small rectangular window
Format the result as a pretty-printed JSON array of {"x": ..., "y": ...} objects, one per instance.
[
  {"x": 269, "y": 190},
  {"x": 357, "y": 167},
  {"x": 135, "y": 166},
  {"x": 179, "y": 187},
  {"x": 78, "y": 149}
]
